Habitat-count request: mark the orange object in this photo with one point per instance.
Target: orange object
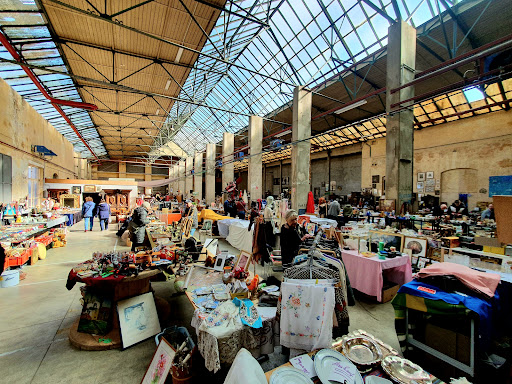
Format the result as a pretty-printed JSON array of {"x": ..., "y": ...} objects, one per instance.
[{"x": 254, "y": 283}]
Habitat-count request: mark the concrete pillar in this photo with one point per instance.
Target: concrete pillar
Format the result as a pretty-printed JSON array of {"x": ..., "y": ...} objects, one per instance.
[
  {"x": 228, "y": 167},
  {"x": 94, "y": 172},
  {"x": 122, "y": 169},
  {"x": 255, "y": 173},
  {"x": 169, "y": 186},
  {"x": 181, "y": 177},
  {"x": 301, "y": 131},
  {"x": 209, "y": 178},
  {"x": 401, "y": 61},
  {"x": 189, "y": 180},
  {"x": 147, "y": 177},
  {"x": 198, "y": 175},
  {"x": 175, "y": 182}
]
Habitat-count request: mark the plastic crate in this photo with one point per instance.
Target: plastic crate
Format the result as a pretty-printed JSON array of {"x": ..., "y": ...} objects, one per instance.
[{"x": 176, "y": 336}]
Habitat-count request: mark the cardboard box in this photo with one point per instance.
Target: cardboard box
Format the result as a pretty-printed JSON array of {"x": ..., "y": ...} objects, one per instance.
[
  {"x": 240, "y": 295},
  {"x": 389, "y": 291},
  {"x": 487, "y": 241},
  {"x": 450, "y": 242},
  {"x": 453, "y": 344},
  {"x": 497, "y": 250}
]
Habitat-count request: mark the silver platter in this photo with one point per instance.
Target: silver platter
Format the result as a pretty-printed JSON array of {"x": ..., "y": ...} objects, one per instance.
[
  {"x": 361, "y": 350},
  {"x": 404, "y": 371}
]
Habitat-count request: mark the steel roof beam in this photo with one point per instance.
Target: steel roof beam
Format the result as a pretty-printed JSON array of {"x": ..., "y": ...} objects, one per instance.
[{"x": 248, "y": 17}]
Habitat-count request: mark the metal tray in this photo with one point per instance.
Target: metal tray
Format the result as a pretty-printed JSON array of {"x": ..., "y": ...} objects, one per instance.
[
  {"x": 361, "y": 350},
  {"x": 405, "y": 371}
]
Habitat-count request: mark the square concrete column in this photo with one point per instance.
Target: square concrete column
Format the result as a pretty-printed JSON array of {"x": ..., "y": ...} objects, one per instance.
[
  {"x": 301, "y": 131},
  {"x": 181, "y": 177},
  {"x": 147, "y": 177},
  {"x": 189, "y": 179},
  {"x": 255, "y": 166},
  {"x": 401, "y": 62},
  {"x": 209, "y": 178},
  {"x": 169, "y": 186},
  {"x": 228, "y": 167},
  {"x": 198, "y": 175},
  {"x": 175, "y": 175}
]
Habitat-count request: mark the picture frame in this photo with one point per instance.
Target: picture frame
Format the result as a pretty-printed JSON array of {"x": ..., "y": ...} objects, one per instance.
[
  {"x": 207, "y": 225},
  {"x": 160, "y": 365},
  {"x": 138, "y": 319},
  {"x": 430, "y": 175},
  {"x": 414, "y": 261},
  {"x": 375, "y": 179},
  {"x": 422, "y": 262},
  {"x": 417, "y": 245},
  {"x": 419, "y": 185},
  {"x": 311, "y": 228},
  {"x": 76, "y": 190},
  {"x": 96, "y": 316},
  {"x": 390, "y": 240},
  {"x": 244, "y": 260},
  {"x": 421, "y": 176},
  {"x": 89, "y": 188}
]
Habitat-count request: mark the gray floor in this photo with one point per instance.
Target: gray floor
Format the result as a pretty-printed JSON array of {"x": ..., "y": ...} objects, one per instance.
[{"x": 36, "y": 316}]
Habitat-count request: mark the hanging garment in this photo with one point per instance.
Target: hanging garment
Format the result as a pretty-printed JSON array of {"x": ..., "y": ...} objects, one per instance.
[
  {"x": 306, "y": 316},
  {"x": 248, "y": 313},
  {"x": 340, "y": 307},
  {"x": 310, "y": 207}
]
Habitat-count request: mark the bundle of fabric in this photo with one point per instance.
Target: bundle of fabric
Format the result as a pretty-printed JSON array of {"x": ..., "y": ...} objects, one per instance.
[{"x": 482, "y": 283}]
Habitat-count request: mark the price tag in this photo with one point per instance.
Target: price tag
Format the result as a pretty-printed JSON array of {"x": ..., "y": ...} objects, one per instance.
[
  {"x": 343, "y": 372},
  {"x": 305, "y": 364}
]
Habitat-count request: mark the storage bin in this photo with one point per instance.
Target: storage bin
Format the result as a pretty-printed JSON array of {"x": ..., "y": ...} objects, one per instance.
[{"x": 10, "y": 278}]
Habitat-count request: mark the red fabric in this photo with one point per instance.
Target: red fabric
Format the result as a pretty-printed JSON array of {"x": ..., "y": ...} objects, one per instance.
[
  {"x": 310, "y": 208},
  {"x": 73, "y": 278},
  {"x": 483, "y": 282}
]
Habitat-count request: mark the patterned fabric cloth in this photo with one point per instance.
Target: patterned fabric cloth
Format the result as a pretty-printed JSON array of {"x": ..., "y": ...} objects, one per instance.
[
  {"x": 306, "y": 316},
  {"x": 248, "y": 313}
]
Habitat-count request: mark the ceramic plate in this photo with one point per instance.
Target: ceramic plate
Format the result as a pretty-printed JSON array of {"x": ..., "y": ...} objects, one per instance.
[
  {"x": 287, "y": 375},
  {"x": 405, "y": 371},
  {"x": 361, "y": 350},
  {"x": 377, "y": 380},
  {"x": 323, "y": 361}
]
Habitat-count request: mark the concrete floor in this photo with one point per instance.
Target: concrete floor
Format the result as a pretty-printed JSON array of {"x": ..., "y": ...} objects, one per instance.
[{"x": 36, "y": 316}]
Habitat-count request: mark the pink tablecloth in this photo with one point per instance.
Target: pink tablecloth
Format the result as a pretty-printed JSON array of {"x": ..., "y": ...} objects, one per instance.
[{"x": 365, "y": 273}]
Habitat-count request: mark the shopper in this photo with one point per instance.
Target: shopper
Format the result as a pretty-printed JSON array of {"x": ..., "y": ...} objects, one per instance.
[
  {"x": 458, "y": 209},
  {"x": 334, "y": 210},
  {"x": 322, "y": 207},
  {"x": 240, "y": 209},
  {"x": 227, "y": 206},
  {"x": 137, "y": 226},
  {"x": 192, "y": 213},
  {"x": 290, "y": 238},
  {"x": 104, "y": 214},
  {"x": 88, "y": 213},
  {"x": 488, "y": 213},
  {"x": 440, "y": 210}
]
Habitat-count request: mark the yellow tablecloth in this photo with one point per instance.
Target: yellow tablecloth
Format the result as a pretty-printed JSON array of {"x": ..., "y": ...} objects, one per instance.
[{"x": 208, "y": 214}]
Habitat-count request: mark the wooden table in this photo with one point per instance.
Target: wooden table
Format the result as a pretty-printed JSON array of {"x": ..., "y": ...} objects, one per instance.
[{"x": 118, "y": 290}]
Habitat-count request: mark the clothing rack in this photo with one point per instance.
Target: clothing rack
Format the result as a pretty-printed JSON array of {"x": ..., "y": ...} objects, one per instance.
[{"x": 312, "y": 251}]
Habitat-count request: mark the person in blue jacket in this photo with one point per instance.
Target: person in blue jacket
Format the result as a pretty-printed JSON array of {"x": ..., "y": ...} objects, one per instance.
[
  {"x": 88, "y": 213},
  {"x": 104, "y": 214}
]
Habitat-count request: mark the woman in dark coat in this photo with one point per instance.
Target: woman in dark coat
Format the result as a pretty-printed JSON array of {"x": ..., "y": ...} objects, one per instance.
[
  {"x": 103, "y": 214},
  {"x": 290, "y": 238}
]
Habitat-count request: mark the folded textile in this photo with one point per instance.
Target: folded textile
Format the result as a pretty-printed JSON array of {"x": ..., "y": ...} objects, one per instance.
[
  {"x": 306, "y": 316},
  {"x": 483, "y": 282},
  {"x": 248, "y": 313}
]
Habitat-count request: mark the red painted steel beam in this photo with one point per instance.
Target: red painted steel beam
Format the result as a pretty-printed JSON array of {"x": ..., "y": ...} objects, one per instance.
[{"x": 55, "y": 102}]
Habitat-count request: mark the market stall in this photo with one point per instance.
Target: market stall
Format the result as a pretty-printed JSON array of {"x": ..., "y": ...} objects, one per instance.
[{"x": 236, "y": 232}]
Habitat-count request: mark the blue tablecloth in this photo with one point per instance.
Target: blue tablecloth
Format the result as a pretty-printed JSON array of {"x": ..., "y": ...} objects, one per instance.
[{"x": 73, "y": 218}]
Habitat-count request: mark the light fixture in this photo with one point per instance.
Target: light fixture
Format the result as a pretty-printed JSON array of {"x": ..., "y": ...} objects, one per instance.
[
  {"x": 157, "y": 112},
  {"x": 351, "y": 106},
  {"x": 167, "y": 85},
  {"x": 9, "y": 19},
  {"x": 178, "y": 55},
  {"x": 284, "y": 133}
]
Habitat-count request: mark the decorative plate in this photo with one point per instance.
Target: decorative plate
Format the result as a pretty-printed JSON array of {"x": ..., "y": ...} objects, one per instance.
[
  {"x": 404, "y": 371},
  {"x": 286, "y": 375},
  {"x": 361, "y": 350},
  {"x": 323, "y": 361}
]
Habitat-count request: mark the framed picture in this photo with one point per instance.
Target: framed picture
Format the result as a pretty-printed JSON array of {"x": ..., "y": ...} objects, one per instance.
[
  {"x": 160, "y": 364},
  {"x": 311, "y": 228},
  {"x": 419, "y": 185},
  {"x": 430, "y": 175},
  {"x": 390, "y": 240},
  {"x": 387, "y": 205},
  {"x": 421, "y": 176},
  {"x": 422, "y": 262},
  {"x": 96, "y": 314},
  {"x": 89, "y": 188},
  {"x": 244, "y": 260},
  {"x": 414, "y": 261},
  {"x": 303, "y": 219},
  {"x": 417, "y": 245},
  {"x": 76, "y": 190},
  {"x": 138, "y": 319},
  {"x": 375, "y": 179}
]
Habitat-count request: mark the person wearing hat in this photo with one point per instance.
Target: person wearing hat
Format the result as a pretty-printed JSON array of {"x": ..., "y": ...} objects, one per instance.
[{"x": 137, "y": 226}]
